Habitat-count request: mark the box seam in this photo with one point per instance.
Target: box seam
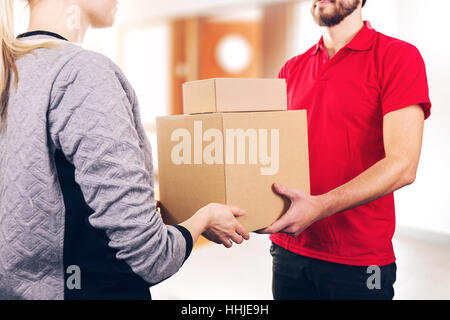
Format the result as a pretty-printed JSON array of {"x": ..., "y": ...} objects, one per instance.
[
  {"x": 224, "y": 162},
  {"x": 215, "y": 98}
]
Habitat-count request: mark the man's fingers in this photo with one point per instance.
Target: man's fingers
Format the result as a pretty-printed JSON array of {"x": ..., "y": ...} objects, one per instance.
[
  {"x": 261, "y": 231},
  {"x": 278, "y": 225},
  {"x": 285, "y": 191},
  {"x": 242, "y": 232},
  {"x": 288, "y": 231}
]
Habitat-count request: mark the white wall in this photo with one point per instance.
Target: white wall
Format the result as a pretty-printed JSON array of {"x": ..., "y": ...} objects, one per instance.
[
  {"x": 134, "y": 10},
  {"x": 426, "y": 203}
]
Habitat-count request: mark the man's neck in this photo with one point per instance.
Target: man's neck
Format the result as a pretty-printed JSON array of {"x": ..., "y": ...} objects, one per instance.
[
  {"x": 336, "y": 37},
  {"x": 65, "y": 21}
]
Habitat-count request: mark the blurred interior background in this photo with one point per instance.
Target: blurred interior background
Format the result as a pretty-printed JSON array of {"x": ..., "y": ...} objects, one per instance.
[{"x": 161, "y": 44}]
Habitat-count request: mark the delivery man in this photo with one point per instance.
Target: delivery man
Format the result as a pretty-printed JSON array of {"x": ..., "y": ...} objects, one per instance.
[{"x": 366, "y": 96}]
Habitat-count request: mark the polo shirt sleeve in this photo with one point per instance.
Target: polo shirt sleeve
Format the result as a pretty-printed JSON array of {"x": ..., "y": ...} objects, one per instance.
[
  {"x": 404, "y": 79},
  {"x": 282, "y": 73}
]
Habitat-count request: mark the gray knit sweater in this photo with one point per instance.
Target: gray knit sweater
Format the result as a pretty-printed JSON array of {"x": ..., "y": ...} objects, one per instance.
[{"x": 80, "y": 103}]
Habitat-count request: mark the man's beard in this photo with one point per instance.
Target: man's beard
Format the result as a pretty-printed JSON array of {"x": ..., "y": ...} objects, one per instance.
[{"x": 340, "y": 12}]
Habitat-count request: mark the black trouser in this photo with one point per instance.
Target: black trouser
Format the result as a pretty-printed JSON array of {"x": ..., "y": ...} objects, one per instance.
[{"x": 296, "y": 277}]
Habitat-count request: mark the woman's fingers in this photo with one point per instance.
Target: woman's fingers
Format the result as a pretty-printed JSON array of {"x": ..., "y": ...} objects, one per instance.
[
  {"x": 242, "y": 231},
  {"x": 226, "y": 229},
  {"x": 237, "y": 238},
  {"x": 237, "y": 212},
  {"x": 227, "y": 243}
]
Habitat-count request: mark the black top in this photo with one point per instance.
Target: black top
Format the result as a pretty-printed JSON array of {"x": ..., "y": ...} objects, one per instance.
[{"x": 47, "y": 33}]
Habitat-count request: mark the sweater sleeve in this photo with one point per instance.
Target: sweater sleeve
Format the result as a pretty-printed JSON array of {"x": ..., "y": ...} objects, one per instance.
[{"x": 92, "y": 119}]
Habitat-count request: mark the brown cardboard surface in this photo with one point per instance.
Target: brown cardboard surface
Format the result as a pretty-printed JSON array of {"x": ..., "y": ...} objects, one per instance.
[
  {"x": 185, "y": 188},
  {"x": 199, "y": 96},
  {"x": 247, "y": 188},
  {"x": 234, "y": 95}
]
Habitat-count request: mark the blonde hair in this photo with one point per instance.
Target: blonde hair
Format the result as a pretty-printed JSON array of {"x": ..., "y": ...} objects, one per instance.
[{"x": 11, "y": 49}]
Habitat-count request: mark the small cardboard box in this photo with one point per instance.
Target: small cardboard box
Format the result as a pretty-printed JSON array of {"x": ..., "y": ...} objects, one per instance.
[
  {"x": 234, "y": 159},
  {"x": 234, "y": 95}
]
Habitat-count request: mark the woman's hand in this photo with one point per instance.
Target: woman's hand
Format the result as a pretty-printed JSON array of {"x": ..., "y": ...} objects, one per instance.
[
  {"x": 217, "y": 222},
  {"x": 222, "y": 225}
]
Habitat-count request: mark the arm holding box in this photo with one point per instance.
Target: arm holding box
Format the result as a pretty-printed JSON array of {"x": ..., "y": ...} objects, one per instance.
[
  {"x": 404, "y": 105},
  {"x": 217, "y": 223},
  {"x": 402, "y": 131},
  {"x": 94, "y": 120}
]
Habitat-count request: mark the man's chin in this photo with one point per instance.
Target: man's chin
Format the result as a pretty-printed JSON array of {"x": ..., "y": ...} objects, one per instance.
[{"x": 324, "y": 21}]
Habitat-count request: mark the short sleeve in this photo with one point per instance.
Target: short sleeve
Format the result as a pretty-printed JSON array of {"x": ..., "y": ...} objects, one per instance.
[
  {"x": 404, "y": 79},
  {"x": 282, "y": 73}
]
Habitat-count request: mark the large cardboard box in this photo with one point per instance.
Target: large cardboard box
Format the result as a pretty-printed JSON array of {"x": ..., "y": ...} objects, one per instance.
[
  {"x": 231, "y": 158},
  {"x": 233, "y": 95}
]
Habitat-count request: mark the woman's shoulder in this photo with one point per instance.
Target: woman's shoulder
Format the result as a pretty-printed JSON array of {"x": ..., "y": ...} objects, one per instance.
[
  {"x": 89, "y": 63},
  {"x": 90, "y": 70}
]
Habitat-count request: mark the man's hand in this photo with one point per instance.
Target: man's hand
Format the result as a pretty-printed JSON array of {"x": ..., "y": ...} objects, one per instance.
[
  {"x": 402, "y": 134},
  {"x": 303, "y": 212}
]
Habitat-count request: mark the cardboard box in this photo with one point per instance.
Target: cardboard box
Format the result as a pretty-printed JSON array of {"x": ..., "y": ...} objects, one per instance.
[
  {"x": 234, "y": 95},
  {"x": 234, "y": 159}
]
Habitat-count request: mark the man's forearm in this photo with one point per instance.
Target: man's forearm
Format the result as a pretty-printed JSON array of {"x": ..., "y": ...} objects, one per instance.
[{"x": 383, "y": 178}]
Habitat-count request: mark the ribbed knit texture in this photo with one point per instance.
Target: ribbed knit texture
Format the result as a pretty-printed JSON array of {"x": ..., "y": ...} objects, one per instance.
[{"x": 80, "y": 102}]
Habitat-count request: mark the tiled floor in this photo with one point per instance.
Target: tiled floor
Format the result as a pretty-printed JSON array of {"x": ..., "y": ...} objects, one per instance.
[{"x": 244, "y": 272}]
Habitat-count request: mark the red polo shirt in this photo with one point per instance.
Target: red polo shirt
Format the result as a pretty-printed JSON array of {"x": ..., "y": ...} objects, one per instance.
[{"x": 346, "y": 98}]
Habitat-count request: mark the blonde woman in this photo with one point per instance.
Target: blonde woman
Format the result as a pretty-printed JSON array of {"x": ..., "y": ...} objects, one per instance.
[{"x": 78, "y": 218}]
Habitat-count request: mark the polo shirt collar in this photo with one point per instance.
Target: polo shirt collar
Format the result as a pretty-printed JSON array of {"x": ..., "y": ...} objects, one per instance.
[{"x": 361, "y": 42}]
